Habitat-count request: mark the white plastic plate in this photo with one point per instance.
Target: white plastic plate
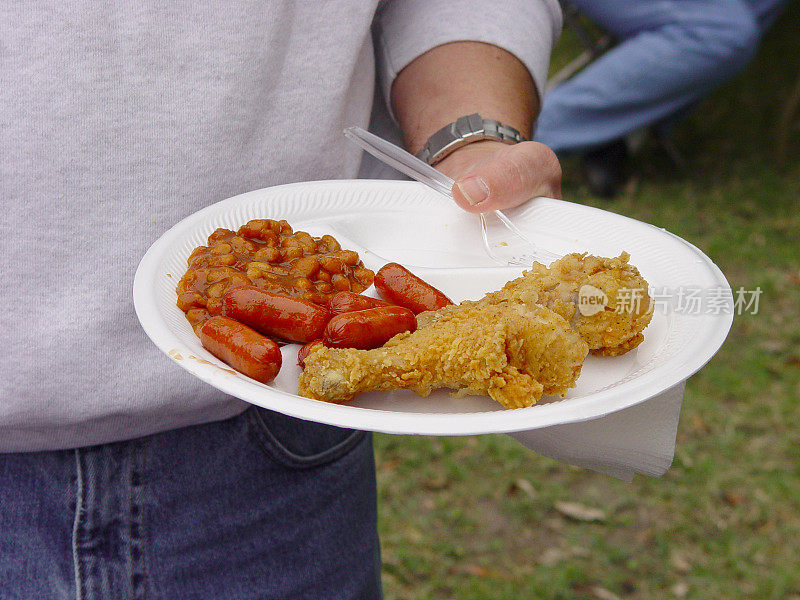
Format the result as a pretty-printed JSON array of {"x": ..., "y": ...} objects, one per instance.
[{"x": 410, "y": 224}]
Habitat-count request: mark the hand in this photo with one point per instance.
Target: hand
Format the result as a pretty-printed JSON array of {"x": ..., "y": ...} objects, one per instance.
[{"x": 491, "y": 175}]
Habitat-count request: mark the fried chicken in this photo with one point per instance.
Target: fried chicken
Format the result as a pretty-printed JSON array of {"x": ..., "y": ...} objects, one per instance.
[
  {"x": 512, "y": 351},
  {"x": 613, "y": 324},
  {"x": 517, "y": 344}
]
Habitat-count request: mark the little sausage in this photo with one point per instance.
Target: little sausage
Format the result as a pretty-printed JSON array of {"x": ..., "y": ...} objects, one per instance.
[
  {"x": 367, "y": 329},
  {"x": 304, "y": 351},
  {"x": 291, "y": 319},
  {"x": 343, "y": 302},
  {"x": 400, "y": 286},
  {"x": 244, "y": 349}
]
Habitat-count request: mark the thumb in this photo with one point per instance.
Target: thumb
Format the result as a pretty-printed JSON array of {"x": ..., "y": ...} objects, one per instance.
[{"x": 508, "y": 177}]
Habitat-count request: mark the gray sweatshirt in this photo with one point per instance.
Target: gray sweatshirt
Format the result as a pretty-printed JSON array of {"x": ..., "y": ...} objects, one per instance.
[{"x": 118, "y": 121}]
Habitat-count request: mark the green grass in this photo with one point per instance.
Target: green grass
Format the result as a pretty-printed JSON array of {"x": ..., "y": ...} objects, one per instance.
[{"x": 475, "y": 517}]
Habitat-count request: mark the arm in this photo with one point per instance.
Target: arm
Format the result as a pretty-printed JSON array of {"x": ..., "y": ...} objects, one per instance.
[{"x": 460, "y": 78}]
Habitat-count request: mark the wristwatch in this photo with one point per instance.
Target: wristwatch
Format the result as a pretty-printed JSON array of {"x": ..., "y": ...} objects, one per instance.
[{"x": 465, "y": 130}]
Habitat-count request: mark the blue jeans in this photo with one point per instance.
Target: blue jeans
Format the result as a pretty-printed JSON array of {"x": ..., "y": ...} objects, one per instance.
[
  {"x": 671, "y": 54},
  {"x": 257, "y": 506}
]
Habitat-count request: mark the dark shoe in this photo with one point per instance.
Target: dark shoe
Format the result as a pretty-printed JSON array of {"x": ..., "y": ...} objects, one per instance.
[{"x": 605, "y": 168}]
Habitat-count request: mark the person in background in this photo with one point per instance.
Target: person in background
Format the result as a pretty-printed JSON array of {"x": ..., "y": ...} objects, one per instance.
[
  {"x": 670, "y": 55},
  {"x": 122, "y": 476}
]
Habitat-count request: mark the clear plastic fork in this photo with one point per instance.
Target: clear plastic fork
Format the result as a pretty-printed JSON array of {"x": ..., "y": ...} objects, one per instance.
[{"x": 502, "y": 240}]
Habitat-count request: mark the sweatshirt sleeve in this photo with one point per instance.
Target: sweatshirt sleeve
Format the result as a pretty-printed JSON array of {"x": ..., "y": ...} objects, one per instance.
[{"x": 405, "y": 29}]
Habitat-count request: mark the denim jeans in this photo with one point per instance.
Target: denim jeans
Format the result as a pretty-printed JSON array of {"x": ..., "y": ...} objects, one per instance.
[
  {"x": 258, "y": 506},
  {"x": 672, "y": 53}
]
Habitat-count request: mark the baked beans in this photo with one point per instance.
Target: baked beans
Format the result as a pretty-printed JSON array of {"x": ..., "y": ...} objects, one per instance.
[{"x": 270, "y": 255}]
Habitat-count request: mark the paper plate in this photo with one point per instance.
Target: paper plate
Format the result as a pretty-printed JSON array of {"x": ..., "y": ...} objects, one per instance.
[{"x": 410, "y": 224}]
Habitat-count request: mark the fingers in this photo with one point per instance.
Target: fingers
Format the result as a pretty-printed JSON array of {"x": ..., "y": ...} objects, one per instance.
[{"x": 509, "y": 176}]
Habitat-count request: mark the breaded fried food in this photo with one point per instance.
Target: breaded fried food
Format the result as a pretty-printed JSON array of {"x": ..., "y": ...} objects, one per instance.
[
  {"x": 517, "y": 344},
  {"x": 512, "y": 351},
  {"x": 566, "y": 286}
]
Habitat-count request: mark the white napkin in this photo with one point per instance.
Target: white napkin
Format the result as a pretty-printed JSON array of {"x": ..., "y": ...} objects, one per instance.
[{"x": 639, "y": 439}]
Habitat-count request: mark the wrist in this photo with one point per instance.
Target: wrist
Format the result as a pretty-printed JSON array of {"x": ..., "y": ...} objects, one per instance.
[{"x": 463, "y": 131}]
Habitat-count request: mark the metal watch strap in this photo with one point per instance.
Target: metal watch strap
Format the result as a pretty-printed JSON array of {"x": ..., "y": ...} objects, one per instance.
[{"x": 463, "y": 131}]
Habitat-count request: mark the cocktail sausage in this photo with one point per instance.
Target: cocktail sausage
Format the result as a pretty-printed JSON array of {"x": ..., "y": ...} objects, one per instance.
[
  {"x": 287, "y": 318},
  {"x": 241, "y": 347},
  {"x": 367, "y": 329},
  {"x": 400, "y": 286},
  {"x": 343, "y": 302}
]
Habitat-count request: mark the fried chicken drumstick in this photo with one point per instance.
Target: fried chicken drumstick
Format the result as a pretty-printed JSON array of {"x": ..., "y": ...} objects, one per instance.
[{"x": 510, "y": 351}]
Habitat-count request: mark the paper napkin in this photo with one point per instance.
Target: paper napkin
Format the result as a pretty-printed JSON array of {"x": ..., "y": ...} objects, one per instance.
[{"x": 639, "y": 439}]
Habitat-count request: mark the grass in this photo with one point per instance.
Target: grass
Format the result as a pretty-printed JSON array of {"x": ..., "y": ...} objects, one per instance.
[{"x": 477, "y": 518}]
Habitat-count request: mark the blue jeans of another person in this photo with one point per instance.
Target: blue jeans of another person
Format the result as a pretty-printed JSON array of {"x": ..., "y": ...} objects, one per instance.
[
  {"x": 672, "y": 53},
  {"x": 258, "y": 506}
]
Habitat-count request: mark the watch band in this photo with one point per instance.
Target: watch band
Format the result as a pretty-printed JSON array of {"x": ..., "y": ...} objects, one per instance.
[{"x": 463, "y": 131}]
